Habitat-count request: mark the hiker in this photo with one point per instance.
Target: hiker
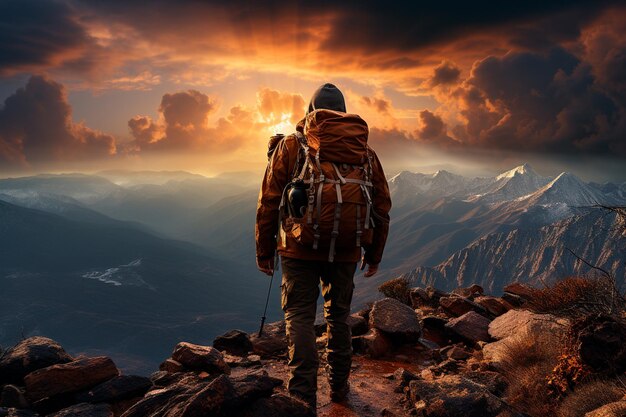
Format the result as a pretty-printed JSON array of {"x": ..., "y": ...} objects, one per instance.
[{"x": 324, "y": 199}]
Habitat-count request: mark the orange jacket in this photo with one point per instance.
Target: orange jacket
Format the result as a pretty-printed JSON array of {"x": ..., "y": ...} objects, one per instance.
[{"x": 278, "y": 174}]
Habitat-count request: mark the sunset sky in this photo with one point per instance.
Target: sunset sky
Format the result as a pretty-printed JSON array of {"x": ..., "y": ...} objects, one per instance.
[{"x": 200, "y": 86}]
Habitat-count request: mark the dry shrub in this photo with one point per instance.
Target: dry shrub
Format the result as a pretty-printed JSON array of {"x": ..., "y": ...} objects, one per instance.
[
  {"x": 397, "y": 288},
  {"x": 588, "y": 397},
  {"x": 577, "y": 297},
  {"x": 527, "y": 362}
]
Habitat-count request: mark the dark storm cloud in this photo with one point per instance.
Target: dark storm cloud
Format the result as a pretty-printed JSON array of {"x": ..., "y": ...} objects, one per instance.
[
  {"x": 444, "y": 74},
  {"x": 36, "y": 128},
  {"x": 540, "y": 102},
  {"x": 35, "y": 33}
]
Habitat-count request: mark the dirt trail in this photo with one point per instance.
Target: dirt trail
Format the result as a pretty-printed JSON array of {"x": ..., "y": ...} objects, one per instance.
[{"x": 371, "y": 390}]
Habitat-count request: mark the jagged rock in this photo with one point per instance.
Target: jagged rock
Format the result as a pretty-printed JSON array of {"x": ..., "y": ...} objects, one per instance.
[
  {"x": 365, "y": 313},
  {"x": 495, "y": 306},
  {"x": 16, "y": 412},
  {"x": 514, "y": 300},
  {"x": 493, "y": 381},
  {"x": 157, "y": 402},
  {"x": 278, "y": 405},
  {"x": 602, "y": 345},
  {"x": 445, "y": 367},
  {"x": 170, "y": 365},
  {"x": 29, "y": 355},
  {"x": 200, "y": 358},
  {"x": 519, "y": 321},
  {"x": 396, "y": 319},
  {"x": 234, "y": 342},
  {"x": 118, "y": 388},
  {"x": 457, "y": 353},
  {"x": 457, "y": 305},
  {"x": 69, "y": 377},
  {"x": 13, "y": 396},
  {"x": 453, "y": 396},
  {"x": 85, "y": 410},
  {"x": 374, "y": 343},
  {"x": 616, "y": 409},
  {"x": 435, "y": 294},
  {"x": 470, "y": 326},
  {"x": 469, "y": 292},
  {"x": 524, "y": 291},
  {"x": 272, "y": 342}
]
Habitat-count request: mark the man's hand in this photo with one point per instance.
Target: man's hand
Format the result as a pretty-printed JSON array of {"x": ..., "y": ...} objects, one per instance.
[
  {"x": 266, "y": 265},
  {"x": 371, "y": 269}
]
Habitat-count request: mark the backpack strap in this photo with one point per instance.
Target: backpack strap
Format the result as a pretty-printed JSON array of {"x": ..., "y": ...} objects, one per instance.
[{"x": 335, "y": 232}]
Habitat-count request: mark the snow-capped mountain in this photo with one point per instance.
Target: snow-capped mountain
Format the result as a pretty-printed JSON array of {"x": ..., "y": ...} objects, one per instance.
[
  {"x": 517, "y": 182},
  {"x": 570, "y": 190}
]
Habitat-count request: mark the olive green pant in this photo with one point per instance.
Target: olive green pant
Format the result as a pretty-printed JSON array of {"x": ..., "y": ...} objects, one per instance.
[{"x": 300, "y": 290}]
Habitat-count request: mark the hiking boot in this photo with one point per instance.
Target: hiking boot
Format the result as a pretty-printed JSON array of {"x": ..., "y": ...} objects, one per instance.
[
  {"x": 310, "y": 401},
  {"x": 339, "y": 394}
]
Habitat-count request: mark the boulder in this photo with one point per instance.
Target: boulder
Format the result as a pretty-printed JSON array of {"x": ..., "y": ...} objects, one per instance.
[
  {"x": 28, "y": 356},
  {"x": 278, "y": 405},
  {"x": 519, "y": 321},
  {"x": 158, "y": 402},
  {"x": 457, "y": 305},
  {"x": 200, "y": 358},
  {"x": 13, "y": 396},
  {"x": 116, "y": 389},
  {"x": 395, "y": 319},
  {"x": 234, "y": 342},
  {"x": 272, "y": 342},
  {"x": 170, "y": 365},
  {"x": 616, "y": 409},
  {"x": 453, "y": 396},
  {"x": 85, "y": 410},
  {"x": 471, "y": 326},
  {"x": 524, "y": 291},
  {"x": 494, "y": 306},
  {"x": 469, "y": 292},
  {"x": 358, "y": 325},
  {"x": 69, "y": 377},
  {"x": 493, "y": 381},
  {"x": 514, "y": 300},
  {"x": 374, "y": 343}
]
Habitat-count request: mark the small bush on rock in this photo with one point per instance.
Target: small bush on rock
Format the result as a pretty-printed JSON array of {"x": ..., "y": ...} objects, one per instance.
[
  {"x": 527, "y": 363},
  {"x": 397, "y": 288},
  {"x": 576, "y": 297},
  {"x": 588, "y": 397}
]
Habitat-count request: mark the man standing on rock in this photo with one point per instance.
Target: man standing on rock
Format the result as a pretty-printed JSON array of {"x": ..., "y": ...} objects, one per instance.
[{"x": 323, "y": 200}]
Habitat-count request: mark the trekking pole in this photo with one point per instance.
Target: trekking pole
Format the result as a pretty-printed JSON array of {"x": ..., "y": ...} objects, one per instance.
[{"x": 267, "y": 300}]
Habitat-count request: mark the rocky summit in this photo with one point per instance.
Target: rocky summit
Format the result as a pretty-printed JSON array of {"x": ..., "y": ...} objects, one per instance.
[{"x": 426, "y": 353}]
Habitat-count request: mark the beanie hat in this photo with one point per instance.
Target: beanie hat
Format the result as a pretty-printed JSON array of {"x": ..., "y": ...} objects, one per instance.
[{"x": 327, "y": 97}]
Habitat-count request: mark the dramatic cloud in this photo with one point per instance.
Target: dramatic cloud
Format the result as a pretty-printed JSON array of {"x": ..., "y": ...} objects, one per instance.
[
  {"x": 36, "y": 128},
  {"x": 539, "y": 102},
  {"x": 277, "y": 107},
  {"x": 445, "y": 74},
  {"x": 183, "y": 122}
]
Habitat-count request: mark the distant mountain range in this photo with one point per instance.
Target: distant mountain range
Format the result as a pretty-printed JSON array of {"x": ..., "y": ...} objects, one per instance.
[{"x": 133, "y": 262}]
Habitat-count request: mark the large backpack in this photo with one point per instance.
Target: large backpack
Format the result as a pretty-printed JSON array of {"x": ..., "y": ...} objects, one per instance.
[{"x": 338, "y": 172}]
